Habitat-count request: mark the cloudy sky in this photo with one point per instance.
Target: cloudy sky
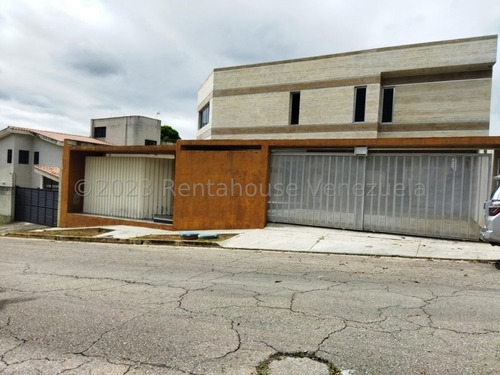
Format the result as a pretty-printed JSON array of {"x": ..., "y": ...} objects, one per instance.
[{"x": 63, "y": 62}]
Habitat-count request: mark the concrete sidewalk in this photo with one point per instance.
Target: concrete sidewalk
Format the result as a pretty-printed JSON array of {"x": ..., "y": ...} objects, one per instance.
[
  {"x": 282, "y": 237},
  {"x": 323, "y": 240}
]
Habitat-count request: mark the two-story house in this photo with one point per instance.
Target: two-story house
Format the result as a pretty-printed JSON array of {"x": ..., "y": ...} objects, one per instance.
[
  {"x": 436, "y": 89},
  {"x": 392, "y": 140},
  {"x": 31, "y": 159}
]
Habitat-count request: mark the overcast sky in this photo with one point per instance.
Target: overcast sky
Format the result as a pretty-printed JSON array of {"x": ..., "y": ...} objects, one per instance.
[{"x": 63, "y": 62}]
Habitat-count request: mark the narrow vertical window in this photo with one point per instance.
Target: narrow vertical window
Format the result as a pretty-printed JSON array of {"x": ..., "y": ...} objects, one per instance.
[
  {"x": 359, "y": 104},
  {"x": 204, "y": 116},
  {"x": 387, "y": 104},
  {"x": 9, "y": 156},
  {"x": 36, "y": 158},
  {"x": 294, "y": 108}
]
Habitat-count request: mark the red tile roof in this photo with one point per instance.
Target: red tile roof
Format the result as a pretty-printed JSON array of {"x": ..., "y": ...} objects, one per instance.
[
  {"x": 58, "y": 137},
  {"x": 52, "y": 171}
]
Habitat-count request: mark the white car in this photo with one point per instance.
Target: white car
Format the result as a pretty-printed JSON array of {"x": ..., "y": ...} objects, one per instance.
[{"x": 491, "y": 231}]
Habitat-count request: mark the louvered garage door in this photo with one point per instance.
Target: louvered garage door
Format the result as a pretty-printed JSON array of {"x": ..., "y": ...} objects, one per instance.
[{"x": 435, "y": 195}]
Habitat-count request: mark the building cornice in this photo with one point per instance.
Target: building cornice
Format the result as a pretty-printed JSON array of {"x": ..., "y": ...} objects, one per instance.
[{"x": 360, "y": 52}]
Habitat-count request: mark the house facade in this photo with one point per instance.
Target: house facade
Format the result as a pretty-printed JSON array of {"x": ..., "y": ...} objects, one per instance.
[
  {"x": 421, "y": 186},
  {"x": 438, "y": 89},
  {"x": 392, "y": 140},
  {"x": 31, "y": 159}
]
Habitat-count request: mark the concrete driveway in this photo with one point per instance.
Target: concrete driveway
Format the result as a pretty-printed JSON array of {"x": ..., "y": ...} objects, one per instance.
[{"x": 80, "y": 308}]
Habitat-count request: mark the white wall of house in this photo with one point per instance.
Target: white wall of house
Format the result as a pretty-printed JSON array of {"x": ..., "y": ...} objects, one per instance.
[
  {"x": 6, "y": 170},
  {"x": 24, "y": 175},
  {"x": 22, "y": 172},
  {"x": 6, "y": 204},
  {"x": 50, "y": 155}
]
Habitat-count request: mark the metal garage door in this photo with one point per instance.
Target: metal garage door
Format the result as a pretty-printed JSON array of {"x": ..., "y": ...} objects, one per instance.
[
  {"x": 436, "y": 195},
  {"x": 36, "y": 206},
  {"x": 128, "y": 187}
]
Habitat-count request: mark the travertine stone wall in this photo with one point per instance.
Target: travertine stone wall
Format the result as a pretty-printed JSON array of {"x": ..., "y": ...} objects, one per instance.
[
  {"x": 449, "y": 101},
  {"x": 253, "y": 101}
]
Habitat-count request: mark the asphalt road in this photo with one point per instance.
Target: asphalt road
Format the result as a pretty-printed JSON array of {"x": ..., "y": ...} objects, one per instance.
[{"x": 78, "y": 308}]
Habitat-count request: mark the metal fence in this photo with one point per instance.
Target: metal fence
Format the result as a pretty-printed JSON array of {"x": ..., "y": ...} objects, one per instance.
[
  {"x": 435, "y": 195},
  {"x": 36, "y": 206}
]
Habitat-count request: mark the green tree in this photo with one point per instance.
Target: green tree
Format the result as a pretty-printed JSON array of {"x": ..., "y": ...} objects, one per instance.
[{"x": 169, "y": 134}]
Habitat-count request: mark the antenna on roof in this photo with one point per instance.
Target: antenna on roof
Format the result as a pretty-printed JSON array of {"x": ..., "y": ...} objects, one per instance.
[{"x": 157, "y": 115}]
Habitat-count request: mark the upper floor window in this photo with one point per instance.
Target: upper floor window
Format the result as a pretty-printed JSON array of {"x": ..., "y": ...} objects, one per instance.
[
  {"x": 150, "y": 142},
  {"x": 100, "y": 132},
  {"x": 36, "y": 158},
  {"x": 294, "y": 108},
  {"x": 387, "y": 104},
  {"x": 24, "y": 157},
  {"x": 9, "y": 156},
  {"x": 204, "y": 116},
  {"x": 359, "y": 104}
]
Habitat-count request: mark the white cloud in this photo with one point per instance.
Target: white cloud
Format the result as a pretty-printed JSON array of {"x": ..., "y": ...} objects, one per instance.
[{"x": 65, "y": 62}]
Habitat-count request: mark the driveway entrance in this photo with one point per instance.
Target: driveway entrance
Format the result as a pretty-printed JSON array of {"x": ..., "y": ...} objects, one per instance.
[{"x": 434, "y": 195}]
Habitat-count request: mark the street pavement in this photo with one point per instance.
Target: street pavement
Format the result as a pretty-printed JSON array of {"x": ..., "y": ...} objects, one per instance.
[
  {"x": 98, "y": 308},
  {"x": 417, "y": 308}
]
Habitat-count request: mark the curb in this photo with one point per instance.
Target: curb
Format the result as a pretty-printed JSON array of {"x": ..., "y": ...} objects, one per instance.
[
  {"x": 436, "y": 258},
  {"x": 126, "y": 241},
  {"x": 213, "y": 244}
]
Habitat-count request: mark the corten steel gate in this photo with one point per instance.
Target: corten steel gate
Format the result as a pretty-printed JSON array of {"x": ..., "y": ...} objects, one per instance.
[
  {"x": 38, "y": 206},
  {"x": 434, "y": 195}
]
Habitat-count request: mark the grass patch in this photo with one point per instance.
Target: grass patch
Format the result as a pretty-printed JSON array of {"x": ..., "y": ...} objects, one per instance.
[{"x": 74, "y": 232}]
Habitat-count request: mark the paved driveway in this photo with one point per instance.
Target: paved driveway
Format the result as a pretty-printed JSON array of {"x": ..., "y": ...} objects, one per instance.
[{"x": 79, "y": 308}]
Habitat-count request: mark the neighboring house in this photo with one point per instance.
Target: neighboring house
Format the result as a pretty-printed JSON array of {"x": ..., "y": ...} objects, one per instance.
[
  {"x": 31, "y": 158},
  {"x": 438, "y": 89},
  {"x": 127, "y": 130}
]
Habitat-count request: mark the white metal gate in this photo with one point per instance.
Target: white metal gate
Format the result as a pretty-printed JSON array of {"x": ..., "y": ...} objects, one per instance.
[
  {"x": 128, "y": 187},
  {"x": 435, "y": 195}
]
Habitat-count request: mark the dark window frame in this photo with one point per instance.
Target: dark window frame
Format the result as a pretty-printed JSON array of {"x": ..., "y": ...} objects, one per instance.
[
  {"x": 24, "y": 157},
  {"x": 359, "y": 104},
  {"x": 294, "y": 108},
  {"x": 387, "y": 115},
  {"x": 49, "y": 184},
  {"x": 9, "y": 156},
  {"x": 100, "y": 132},
  {"x": 36, "y": 158},
  {"x": 204, "y": 116},
  {"x": 150, "y": 142}
]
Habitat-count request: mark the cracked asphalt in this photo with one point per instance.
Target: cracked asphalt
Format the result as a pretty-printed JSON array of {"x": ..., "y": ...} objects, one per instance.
[{"x": 80, "y": 308}]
